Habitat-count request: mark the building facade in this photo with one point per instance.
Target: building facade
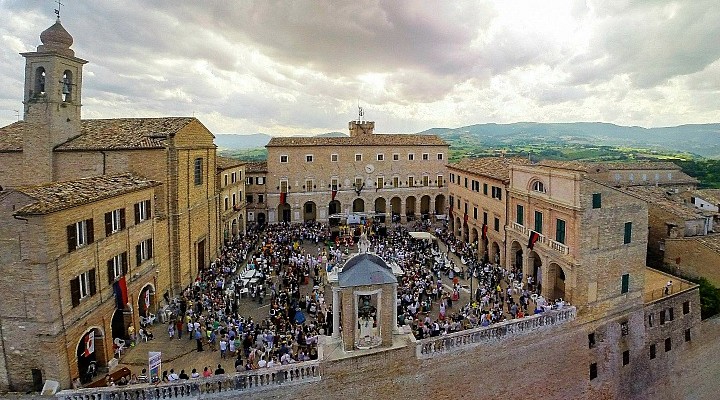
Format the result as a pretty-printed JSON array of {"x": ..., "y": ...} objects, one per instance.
[
  {"x": 256, "y": 189},
  {"x": 231, "y": 206}
]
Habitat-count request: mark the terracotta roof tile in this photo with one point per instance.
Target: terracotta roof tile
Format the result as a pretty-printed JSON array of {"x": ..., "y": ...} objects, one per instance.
[
  {"x": 58, "y": 196},
  {"x": 709, "y": 195},
  {"x": 11, "y": 136},
  {"x": 377, "y": 139},
  {"x": 658, "y": 196},
  {"x": 571, "y": 165},
  {"x": 227, "y": 162},
  {"x": 125, "y": 133},
  {"x": 711, "y": 241},
  {"x": 255, "y": 167},
  {"x": 493, "y": 167}
]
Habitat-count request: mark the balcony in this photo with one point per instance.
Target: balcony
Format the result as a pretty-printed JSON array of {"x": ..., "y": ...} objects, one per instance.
[{"x": 553, "y": 244}]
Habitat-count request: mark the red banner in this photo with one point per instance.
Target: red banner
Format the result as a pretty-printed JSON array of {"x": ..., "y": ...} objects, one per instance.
[
  {"x": 334, "y": 193},
  {"x": 484, "y": 231},
  {"x": 283, "y": 197}
]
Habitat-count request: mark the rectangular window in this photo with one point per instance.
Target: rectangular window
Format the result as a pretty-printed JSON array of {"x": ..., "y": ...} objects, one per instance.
[
  {"x": 425, "y": 180},
  {"x": 628, "y": 233},
  {"x": 440, "y": 182},
  {"x": 538, "y": 222},
  {"x": 651, "y": 320},
  {"x": 283, "y": 158},
  {"x": 520, "y": 215},
  {"x": 439, "y": 156},
  {"x": 671, "y": 315},
  {"x": 381, "y": 157},
  {"x": 380, "y": 182},
  {"x": 466, "y": 180},
  {"x": 411, "y": 157},
  {"x": 117, "y": 267},
  {"x": 662, "y": 317},
  {"x": 591, "y": 340},
  {"x": 496, "y": 192},
  {"x": 452, "y": 178},
  {"x": 333, "y": 157},
  {"x": 475, "y": 213},
  {"x": 686, "y": 307},
  {"x": 248, "y": 199},
  {"x": 687, "y": 335},
  {"x": 358, "y": 157},
  {"x": 334, "y": 184},
  {"x": 260, "y": 180},
  {"x": 597, "y": 200},
  {"x": 80, "y": 234},
  {"x": 142, "y": 211},
  {"x": 143, "y": 251},
  {"x": 114, "y": 221},
  {"x": 411, "y": 181},
  {"x": 626, "y": 357},
  {"x": 485, "y": 218},
  {"x": 82, "y": 286},
  {"x": 198, "y": 171},
  {"x": 248, "y": 180},
  {"x": 234, "y": 201},
  {"x": 284, "y": 186},
  {"x": 396, "y": 156},
  {"x": 396, "y": 181},
  {"x": 485, "y": 189},
  {"x": 227, "y": 203},
  {"x": 497, "y": 224},
  {"x": 226, "y": 179},
  {"x": 466, "y": 208},
  {"x": 309, "y": 185},
  {"x": 308, "y": 158},
  {"x": 593, "y": 371},
  {"x": 261, "y": 198},
  {"x": 560, "y": 231},
  {"x": 425, "y": 156},
  {"x": 653, "y": 350},
  {"x": 668, "y": 344},
  {"x": 233, "y": 178},
  {"x": 358, "y": 183},
  {"x": 625, "y": 284}
]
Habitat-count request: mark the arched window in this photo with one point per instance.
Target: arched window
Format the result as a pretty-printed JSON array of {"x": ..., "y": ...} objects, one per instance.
[
  {"x": 67, "y": 85},
  {"x": 538, "y": 187},
  {"x": 39, "y": 88}
]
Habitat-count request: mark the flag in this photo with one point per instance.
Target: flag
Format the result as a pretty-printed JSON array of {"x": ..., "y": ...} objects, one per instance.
[
  {"x": 465, "y": 218},
  {"x": 334, "y": 193},
  {"x": 534, "y": 236},
  {"x": 147, "y": 299},
  {"x": 121, "y": 293},
  {"x": 89, "y": 344},
  {"x": 484, "y": 231},
  {"x": 283, "y": 197}
]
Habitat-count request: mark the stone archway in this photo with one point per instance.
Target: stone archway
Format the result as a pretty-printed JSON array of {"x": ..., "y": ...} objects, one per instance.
[
  {"x": 466, "y": 232},
  {"x": 284, "y": 213},
  {"x": 358, "y": 205},
  {"x": 334, "y": 207},
  {"x": 458, "y": 227},
  {"x": 261, "y": 219},
  {"x": 495, "y": 253},
  {"x": 410, "y": 207},
  {"x": 425, "y": 205},
  {"x": 557, "y": 276},
  {"x": 234, "y": 228},
  {"x": 380, "y": 209},
  {"x": 516, "y": 255},
  {"x": 90, "y": 350},
  {"x": 395, "y": 208},
  {"x": 309, "y": 211},
  {"x": 119, "y": 325},
  {"x": 535, "y": 264},
  {"x": 440, "y": 204},
  {"x": 146, "y": 300}
]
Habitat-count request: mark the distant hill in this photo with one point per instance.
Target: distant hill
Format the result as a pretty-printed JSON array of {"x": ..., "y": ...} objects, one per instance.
[
  {"x": 700, "y": 139},
  {"x": 332, "y": 134},
  {"x": 231, "y": 141}
]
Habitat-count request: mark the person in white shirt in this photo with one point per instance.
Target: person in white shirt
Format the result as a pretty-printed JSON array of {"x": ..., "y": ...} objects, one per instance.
[{"x": 173, "y": 376}]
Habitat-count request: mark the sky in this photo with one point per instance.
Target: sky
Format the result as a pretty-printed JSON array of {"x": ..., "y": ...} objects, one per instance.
[{"x": 303, "y": 67}]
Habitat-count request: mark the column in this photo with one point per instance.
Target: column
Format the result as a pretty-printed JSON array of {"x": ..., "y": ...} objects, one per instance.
[
  {"x": 336, "y": 312},
  {"x": 394, "y": 313}
]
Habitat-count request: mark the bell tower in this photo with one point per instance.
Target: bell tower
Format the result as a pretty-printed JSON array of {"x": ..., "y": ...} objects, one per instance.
[{"x": 52, "y": 100}]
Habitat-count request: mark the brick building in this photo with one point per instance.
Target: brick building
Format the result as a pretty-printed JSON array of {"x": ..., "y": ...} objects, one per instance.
[
  {"x": 256, "y": 189},
  {"x": 231, "y": 207},
  {"x": 312, "y": 178}
]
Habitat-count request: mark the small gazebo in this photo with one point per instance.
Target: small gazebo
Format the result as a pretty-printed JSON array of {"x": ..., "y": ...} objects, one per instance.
[{"x": 366, "y": 292}]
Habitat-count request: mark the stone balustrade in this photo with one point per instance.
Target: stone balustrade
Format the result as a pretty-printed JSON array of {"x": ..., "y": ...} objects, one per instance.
[
  {"x": 463, "y": 340},
  {"x": 553, "y": 244},
  {"x": 231, "y": 385}
]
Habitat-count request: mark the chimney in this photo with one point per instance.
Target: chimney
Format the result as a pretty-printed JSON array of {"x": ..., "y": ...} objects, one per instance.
[{"x": 360, "y": 128}]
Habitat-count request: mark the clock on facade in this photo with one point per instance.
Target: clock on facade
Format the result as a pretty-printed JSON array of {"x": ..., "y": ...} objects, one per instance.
[{"x": 369, "y": 168}]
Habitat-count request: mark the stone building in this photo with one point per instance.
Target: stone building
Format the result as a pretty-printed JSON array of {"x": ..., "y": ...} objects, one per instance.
[
  {"x": 384, "y": 175},
  {"x": 641, "y": 173},
  {"x": 256, "y": 188},
  {"x": 478, "y": 193},
  {"x": 53, "y": 147},
  {"x": 231, "y": 208},
  {"x": 66, "y": 246}
]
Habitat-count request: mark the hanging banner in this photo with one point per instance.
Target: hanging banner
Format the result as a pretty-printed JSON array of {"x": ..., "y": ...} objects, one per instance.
[
  {"x": 89, "y": 344},
  {"x": 154, "y": 365},
  {"x": 147, "y": 299}
]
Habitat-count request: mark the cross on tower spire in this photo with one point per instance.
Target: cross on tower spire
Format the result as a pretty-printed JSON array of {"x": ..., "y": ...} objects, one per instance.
[{"x": 57, "y": 10}]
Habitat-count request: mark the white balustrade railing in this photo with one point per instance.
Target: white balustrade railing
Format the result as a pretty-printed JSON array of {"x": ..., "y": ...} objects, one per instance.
[
  {"x": 553, "y": 244},
  {"x": 205, "y": 388},
  {"x": 463, "y": 340}
]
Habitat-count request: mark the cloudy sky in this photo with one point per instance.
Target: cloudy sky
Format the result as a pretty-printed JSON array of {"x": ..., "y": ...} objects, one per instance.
[{"x": 301, "y": 67}]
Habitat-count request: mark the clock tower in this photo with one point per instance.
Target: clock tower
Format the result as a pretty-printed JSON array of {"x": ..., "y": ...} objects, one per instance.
[{"x": 361, "y": 128}]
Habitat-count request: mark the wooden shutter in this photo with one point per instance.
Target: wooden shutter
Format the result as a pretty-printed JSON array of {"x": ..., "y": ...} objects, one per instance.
[
  {"x": 148, "y": 209},
  {"x": 111, "y": 271},
  {"x": 71, "y": 238},
  {"x": 75, "y": 291},
  {"x": 90, "y": 230},
  {"x": 93, "y": 285},
  {"x": 122, "y": 218},
  {"x": 625, "y": 286},
  {"x": 149, "y": 248},
  {"x": 137, "y": 213},
  {"x": 108, "y": 223},
  {"x": 124, "y": 263},
  {"x": 138, "y": 255}
]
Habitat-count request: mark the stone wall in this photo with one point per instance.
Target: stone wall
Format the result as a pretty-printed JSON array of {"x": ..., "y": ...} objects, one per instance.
[{"x": 692, "y": 257}]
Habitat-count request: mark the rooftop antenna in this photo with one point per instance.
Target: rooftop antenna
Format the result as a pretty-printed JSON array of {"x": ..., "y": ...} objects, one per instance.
[
  {"x": 57, "y": 10},
  {"x": 361, "y": 113}
]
